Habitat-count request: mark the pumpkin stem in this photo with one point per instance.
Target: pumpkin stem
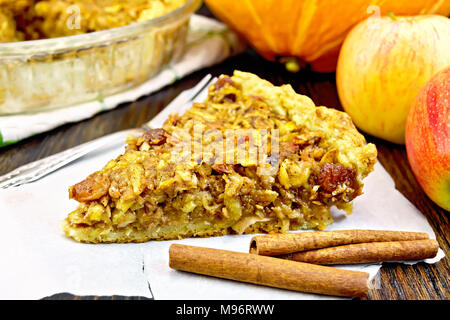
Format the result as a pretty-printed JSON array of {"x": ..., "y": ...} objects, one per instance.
[
  {"x": 391, "y": 15},
  {"x": 291, "y": 64}
]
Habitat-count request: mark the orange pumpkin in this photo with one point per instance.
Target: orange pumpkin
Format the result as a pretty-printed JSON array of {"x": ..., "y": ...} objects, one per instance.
[{"x": 311, "y": 30}]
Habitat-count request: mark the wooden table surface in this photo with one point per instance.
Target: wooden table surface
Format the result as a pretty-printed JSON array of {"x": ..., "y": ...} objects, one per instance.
[{"x": 394, "y": 281}]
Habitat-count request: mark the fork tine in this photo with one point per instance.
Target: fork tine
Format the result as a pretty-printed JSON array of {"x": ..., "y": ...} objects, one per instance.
[
  {"x": 203, "y": 88},
  {"x": 200, "y": 86},
  {"x": 187, "y": 95},
  {"x": 177, "y": 104}
]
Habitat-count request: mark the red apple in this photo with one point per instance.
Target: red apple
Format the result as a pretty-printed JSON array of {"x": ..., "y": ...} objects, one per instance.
[{"x": 428, "y": 138}]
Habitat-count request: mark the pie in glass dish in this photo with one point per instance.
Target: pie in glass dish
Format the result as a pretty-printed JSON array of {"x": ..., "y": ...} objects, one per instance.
[
  {"x": 43, "y": 19},
  {"x": 253, "y": 157}
]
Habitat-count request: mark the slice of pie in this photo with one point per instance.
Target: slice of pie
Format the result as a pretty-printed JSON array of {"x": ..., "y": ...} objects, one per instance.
[{"x": 252, "y": 158}]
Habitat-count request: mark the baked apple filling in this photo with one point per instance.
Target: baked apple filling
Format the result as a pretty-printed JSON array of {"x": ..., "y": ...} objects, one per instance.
[{"x": 252, "y": 158}]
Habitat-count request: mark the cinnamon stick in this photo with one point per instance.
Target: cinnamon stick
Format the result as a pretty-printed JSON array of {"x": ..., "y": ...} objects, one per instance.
[
  {"x": 277, "y": 244},
  {"x": 268, "y": 271},
  {"x": 368, "y": 252}
]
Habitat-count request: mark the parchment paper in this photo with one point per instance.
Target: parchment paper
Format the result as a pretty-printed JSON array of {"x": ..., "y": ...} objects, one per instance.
[{"x": 38, "y": 260}]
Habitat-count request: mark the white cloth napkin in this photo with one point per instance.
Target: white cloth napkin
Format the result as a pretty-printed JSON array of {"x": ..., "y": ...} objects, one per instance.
[
  {"x": 38, "y": 260},
  {"x": 208, "y": 42}
]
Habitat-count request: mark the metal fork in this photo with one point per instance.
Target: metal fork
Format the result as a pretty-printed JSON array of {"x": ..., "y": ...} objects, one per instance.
[{"x": 38, "y": 169}]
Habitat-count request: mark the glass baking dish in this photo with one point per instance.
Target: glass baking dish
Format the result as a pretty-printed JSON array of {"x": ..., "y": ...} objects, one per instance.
[{"x": 54, "y": 73}]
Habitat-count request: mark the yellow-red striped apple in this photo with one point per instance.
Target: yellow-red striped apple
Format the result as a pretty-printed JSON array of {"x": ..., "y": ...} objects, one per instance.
[
  {"x": 383, "y": 64},
  {"x": 428, "y": 138}
]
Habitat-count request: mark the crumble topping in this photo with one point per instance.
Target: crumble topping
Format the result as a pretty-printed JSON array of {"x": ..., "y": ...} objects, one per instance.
[{"x": 251, "y": 158}]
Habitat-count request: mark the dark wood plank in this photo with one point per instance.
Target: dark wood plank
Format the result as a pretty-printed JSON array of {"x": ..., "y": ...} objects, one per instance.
[{"x": 395, "y": 281}]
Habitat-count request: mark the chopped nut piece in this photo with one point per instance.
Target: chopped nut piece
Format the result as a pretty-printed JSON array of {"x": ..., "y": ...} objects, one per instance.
[{"x": 155, "y": 137}]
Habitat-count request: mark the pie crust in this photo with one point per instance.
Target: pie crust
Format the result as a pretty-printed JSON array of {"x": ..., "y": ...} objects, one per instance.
[{"x": 251, "y": 158}]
